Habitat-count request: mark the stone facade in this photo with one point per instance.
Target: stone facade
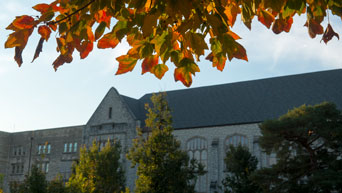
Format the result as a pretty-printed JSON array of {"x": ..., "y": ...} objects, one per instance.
[
  {"x": 113, "y": 120},
  {"x": 206, "y": 121},
  {"x": 44, "y": 148}
]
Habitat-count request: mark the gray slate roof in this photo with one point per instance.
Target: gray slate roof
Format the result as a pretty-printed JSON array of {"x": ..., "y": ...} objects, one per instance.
[{"x": 246, "y": 102}]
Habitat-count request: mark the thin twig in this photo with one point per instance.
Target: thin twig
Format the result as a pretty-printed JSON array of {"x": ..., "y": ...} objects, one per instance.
[{"x": 68, "y": 16}]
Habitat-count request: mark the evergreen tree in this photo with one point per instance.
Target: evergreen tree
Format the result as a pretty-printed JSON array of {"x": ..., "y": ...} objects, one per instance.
[
  {"x": 240, "y": 165},
  {"x": 98, "y": 171},
  {"x": 162, "y": 166},
  {"x": 308, "y": 144}
]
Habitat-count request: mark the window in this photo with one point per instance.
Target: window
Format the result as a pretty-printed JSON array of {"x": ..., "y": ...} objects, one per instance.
[
  {"x": 70, "y": 147},
  {"x": 39, "y": 149},
  {"x": 46, "y": 167},
  {"x": 75, "y": 147},
  {"x": 13, "y": 168},
  {"x": 235, "y": 140},
  {"x": 198, "y": 149},
  {"x": 44, "y": 148},
  {"x": 65, "y": 147},
  {"x": 19, "y": 150},
  {"x": 102, "y": 145},
  {"x": 48, "y": 148},
  {"x": 110, "y": 113},
  {"x": 18, "y": 168}
]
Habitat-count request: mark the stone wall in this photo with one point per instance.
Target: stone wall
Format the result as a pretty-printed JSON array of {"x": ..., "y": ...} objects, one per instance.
[
  {"x": 44, "y": 148},
  {"x": 4, "y": 147},
  {"x": 114, "y": 120},
  {"x": 215, "y": 138}
]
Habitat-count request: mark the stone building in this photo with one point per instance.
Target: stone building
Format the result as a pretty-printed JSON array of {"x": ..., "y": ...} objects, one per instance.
[{"x": 206, "y": 120}]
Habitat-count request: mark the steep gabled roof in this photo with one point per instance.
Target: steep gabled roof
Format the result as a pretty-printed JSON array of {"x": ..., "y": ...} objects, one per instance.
[{"x": 246, "y": 102}]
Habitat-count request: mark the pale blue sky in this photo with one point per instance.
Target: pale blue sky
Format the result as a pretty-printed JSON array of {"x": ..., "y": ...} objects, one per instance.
[{"x": 35, "y": 97}]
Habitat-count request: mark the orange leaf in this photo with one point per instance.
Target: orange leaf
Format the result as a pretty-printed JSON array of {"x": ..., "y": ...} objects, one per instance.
[
  {"x": 185, "y": 70},
  {"x": 231, "y": 11},
  {"x": 184, "y": 76},
  {"x": 24, "y": 22},
  {"x": 85, "y": 49},
  {"x": 234, "y": 35},
  {"x": 45, "y": 32},
  {"x": 18, "y": 39},
  {"x": 265, "y": 17},
  {"x": 61, "y": 43},
  {"x": 61, "y": 59},
  {"x": 12, "y": 27},
  {"x": 159, "y": 70},
  {"x": 281, "y": 25},
  {"x": 56, "y": 8},
  {"x": 126, "y": 64},
  {"x": 53, "y": 26},
  {"x": 42, "y": 8},
  {"x": 90, "y": 34},
  {"x": 288, "y": 24},
  {"x": 219, "y": 61},
  {"x": 107, "y": 41},
  {"x": 149, "y": 4},
  {"x": 101, "y": 16},
  {"x": 314, "y": 28},
  {"x": 149, "y": 63},
  {"x": 240, "y": 52},
  {"x": 150, "y": 20}
]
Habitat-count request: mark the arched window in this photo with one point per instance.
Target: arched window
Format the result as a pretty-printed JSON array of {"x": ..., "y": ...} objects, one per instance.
[
  {"x": 198, "y": 149},
  {"x": 235, "y": 140}
]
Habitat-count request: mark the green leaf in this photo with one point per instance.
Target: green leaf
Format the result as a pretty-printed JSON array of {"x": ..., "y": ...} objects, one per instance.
[
  {"x": 184, "y": 72},
  {"x": 159, "y": 70},
  {"x": 100, "y": 30},
  {"x": 196, "y": 42},
  {"x": 159, "y": 40},
  {"x": 62, "y": 28},
  {"x": 216, "y": 46}
]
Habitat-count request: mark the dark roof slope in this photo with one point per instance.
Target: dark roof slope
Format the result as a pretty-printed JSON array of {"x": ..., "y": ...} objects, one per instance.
[{"x": 246, "y": 102}]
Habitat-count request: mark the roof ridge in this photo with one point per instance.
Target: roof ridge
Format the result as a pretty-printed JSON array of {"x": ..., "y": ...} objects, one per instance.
[{"x": 244, "y": 81}]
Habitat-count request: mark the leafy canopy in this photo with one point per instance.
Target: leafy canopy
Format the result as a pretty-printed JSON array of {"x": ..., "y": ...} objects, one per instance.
[
  {"x": 98, "y": 171},
  {"x": 162, "y": 30},
  {"x": 308, "y": 144},
  {"x": 57, "y": 185},
  {"x": 162, "y": 166}
]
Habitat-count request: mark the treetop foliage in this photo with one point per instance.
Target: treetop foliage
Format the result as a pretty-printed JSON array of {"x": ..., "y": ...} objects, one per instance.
[
  {"x": 98, "y": 171},
  {"x": 162, "y": 167},
  {"x": 240, "y": 165},
  {"x": 307, "y": 141},
  {"x": 162, "y": 30}
]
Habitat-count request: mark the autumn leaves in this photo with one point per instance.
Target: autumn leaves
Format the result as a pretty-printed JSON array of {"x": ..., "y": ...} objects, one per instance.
[{"x": 159, "y": 31}]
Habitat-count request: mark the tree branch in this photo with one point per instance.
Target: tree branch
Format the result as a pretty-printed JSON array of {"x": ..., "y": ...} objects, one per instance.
[
  {"x": 68, "y": 16},
  {"x": 313, "y": 140}
]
